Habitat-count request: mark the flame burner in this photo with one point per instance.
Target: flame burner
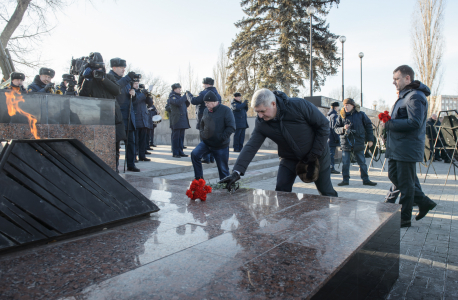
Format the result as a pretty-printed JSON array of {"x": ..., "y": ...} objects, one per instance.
[
  {"x": 56, "y": 188},
  {"x": 13, "y": 98}
]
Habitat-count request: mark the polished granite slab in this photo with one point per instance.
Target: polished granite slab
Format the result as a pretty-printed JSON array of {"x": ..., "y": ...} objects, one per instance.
[
  {"x": 253, "y": 244},
  {"x": 90, "y": 120}
]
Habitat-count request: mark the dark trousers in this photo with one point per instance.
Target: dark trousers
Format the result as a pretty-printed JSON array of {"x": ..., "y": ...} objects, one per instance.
[
  {"x": 287, "y": 175},
  {"x": 221, "y": 158},
  {"x": 360, "y": 159},
  {"x": 151, "y": 136},
  {"x": 177, "y": 141},
  {"x": 141, "y": 141},
  {"x": 239, "y": 138},
  {"x": 209, "y": 156},
  {"x": 405, "y": 182},
  {"x": 130, "y": 151},
  {"x": 332, "y": 153}
]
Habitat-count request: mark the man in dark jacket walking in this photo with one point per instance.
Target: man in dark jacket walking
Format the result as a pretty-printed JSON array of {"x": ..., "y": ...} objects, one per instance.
[
  {"x": 200, "y": 107},
  {"x": 178, "y": 119},
  {"x": 239, "y": 109},
  {"x": 301, "y": 132},
  {"x": 405, "y": 144},
  {"x": 354, "y": 128},
  {"x": 334, "y": 138},
  {"x": 216, "y": 127}
]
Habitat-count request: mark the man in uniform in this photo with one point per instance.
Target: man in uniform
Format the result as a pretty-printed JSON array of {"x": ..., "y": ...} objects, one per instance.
[
  {"x": 239, "y": 109},
  {"x": 17, "y": 79},
  {"x": 301, "y": 132},
  {"x": 125, "y": 99},
  {"x": 141, "y": 120},
  {"x": 178, "y": 119},
  {"x": 42, "y": 82},
  {"x": 200, "y": 107},
  {"x": 152, "y": 111}
]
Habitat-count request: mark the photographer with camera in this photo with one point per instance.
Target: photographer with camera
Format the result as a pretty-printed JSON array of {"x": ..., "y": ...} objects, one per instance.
[
  {"x": 125, "y": 100},
  {"x": 42, "y": 82},
  {"x": 17, "y": 79},
  {"x": 239, "y": 109},
  {"x": 178, "y": 108},
  {"x": 67, "y": 86},
  {"x": 354, "y": 128},
  {"x": 141, "y": 119}
]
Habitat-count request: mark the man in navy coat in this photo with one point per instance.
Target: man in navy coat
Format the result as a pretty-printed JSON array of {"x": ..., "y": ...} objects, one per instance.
[
  {"x": 178, "y": 119},
  {"x": 141, "y": 120},
  {"x": 239, "y": 109},
  {"x": 334, "y": 138}
]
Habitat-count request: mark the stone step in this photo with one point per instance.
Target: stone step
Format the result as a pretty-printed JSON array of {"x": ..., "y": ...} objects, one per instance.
[{"x": 258, "y": 170}]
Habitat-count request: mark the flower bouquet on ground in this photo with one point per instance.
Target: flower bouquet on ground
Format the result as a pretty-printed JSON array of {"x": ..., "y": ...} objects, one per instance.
[{"x": 198, "y": 190}]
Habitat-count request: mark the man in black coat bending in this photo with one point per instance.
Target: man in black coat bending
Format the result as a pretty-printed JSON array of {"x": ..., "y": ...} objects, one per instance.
[{"x": 301, "y": 132}]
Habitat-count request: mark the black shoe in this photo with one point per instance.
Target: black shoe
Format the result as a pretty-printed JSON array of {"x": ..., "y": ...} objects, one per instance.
[
  {"x": 447, "y": 161},
  {"x": 146, "y": 152},
  {"x": 152, "y": 145},
  {"x": 145, "y": 159},
  {"x": 205, "y": 161},
  {"x": 197, "y": 178},
  {"x": 343, "y": 183},
  {"x": 405, "y": 223},
  {"x": 149, "y": 148},
  {"x": 438, "y": 159},
  {"x": 136, "y": 160},
  {"x": 335, "y": 172},
  {"x": 133, "y": 169},
  {"x": 184, "y": 147},
  {"x": 370, "y": 183},
  {"x": 236, "y": 150},
  {"x": 423, "y": 211},
  {"x": 184, "y": 155},
  {"x": 177, "y": 156},
  {"x": 212, "y": 161}
]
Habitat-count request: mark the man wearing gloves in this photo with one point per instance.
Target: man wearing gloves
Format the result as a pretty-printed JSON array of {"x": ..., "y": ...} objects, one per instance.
[
  {"x": 216, "y": 127},
  {"x": 239, "y": 109},
  {"x": 42, "y": 82},
  {"x": 178, "y": 119},
  {"x": 301, "y": 132}
]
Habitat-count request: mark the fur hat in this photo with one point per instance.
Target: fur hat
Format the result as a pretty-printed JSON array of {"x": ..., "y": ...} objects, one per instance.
[
  {"x": 237, "y": 95},
  {"x": 117, "y": 62},
  {"x": 176, "y": 86},
  {"x": 17, "y": 75},
  {"x": 47, "y": 71},
  {"x": 208, "y": 80},
  {"x": 210, "y": 97},
  {"x": 349, "y": 101},
  {"x": 334, "y": 104}
]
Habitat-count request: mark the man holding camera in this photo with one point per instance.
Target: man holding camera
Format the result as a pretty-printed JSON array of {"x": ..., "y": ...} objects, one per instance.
[
  {"x": 354, "y": 128},
  {"x": 125, "y": 100},
  {"x": 141, "y": 119},
  {"x": 42, "y": 82},
  {"x": 178, "y": 107},
  {"x": 239, "y": 109},
  {"x": 17, "y": 79},
  {"x": 67, "y": 86},
  {"x": 200, "y": 107}
]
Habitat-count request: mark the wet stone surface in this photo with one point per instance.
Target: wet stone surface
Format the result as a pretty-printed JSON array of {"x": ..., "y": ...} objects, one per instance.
[{"x": 253, "y": 244}]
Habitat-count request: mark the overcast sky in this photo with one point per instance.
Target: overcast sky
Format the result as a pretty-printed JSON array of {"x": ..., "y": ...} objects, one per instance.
[{"x": 165, "y": 36}]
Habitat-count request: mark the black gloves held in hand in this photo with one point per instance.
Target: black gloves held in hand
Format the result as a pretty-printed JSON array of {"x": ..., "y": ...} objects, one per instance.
[
  {"x": 230, "y": 180},
  {"x": 49, "y": 86},
  {"x": 308, "y": 169}
]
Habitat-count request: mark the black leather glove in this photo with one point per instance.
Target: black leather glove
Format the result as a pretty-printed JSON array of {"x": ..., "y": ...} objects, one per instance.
[
  {"x": 49, "y": 86},
  {"x": 230, "y": 180},
  {"x": 131, "y": 75}
]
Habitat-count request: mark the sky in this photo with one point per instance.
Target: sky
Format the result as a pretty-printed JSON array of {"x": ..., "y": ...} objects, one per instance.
[{"x": 164, "y": 37}]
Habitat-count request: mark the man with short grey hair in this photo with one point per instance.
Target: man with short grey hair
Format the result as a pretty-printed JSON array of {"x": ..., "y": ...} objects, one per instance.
[{"x": 301, "y": 132}]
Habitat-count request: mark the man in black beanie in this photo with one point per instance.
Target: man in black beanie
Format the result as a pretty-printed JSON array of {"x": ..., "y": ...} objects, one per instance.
[
  {"x": 42, "y": 82},
  {"x": 216, "y": 127},
  {"x": 334, "y": 138},
  {"x": 239, "y": 109},
  {"x": 16, "y": 82}
]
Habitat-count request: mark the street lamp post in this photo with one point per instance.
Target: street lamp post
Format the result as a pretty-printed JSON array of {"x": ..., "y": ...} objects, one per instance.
[
  {"x": 311, "y": 11},
  {"x": 342, "y": 39},
  {"x": 361, "y": 55}
]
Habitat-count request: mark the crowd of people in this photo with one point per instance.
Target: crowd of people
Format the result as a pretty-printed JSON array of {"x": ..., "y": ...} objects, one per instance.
[{"x": 306, "y": 139}]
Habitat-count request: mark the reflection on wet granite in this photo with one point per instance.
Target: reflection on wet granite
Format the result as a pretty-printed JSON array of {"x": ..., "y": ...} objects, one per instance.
[{"x": 252, "y": 244}]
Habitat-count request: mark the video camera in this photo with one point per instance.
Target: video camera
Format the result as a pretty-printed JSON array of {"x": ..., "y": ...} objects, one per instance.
[
  {"x": 70, "y": 79},
  {"x": 93, "y": 61}
]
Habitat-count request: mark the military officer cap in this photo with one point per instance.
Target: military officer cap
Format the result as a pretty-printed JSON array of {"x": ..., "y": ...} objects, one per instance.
[
  {"x": 237, "y": 95},
  {"x": 176, "y": 86},
  {"x": 117, "y": 62},
  {"x": 210, "y": 97},
  {"x": 17, "y": 75},
  {"x": 208, "y": 80},
  {"x": 47, "y": 71},
  {"x": 334, "y": 104}
]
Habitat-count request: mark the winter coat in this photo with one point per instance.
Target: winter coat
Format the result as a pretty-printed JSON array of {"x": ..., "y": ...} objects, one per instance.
[
  {"x": 299, "y": 129},
  {"x": 62, "y": 88},
  {"x": 334, "y": 138},
  {"x": 217, "y": 126},
  {"x": 141, "y": 112},
  {"x": 152, "y": 111},
  {"x": 20, "y": 88},
  {"x": 37, "y": 86},
  {"x": 124, "y": 99},
  {"x": 240, "y": 109},
  {"x": 360, "y": 123},
  {"x": 200, "y": 105},
  {"x": 106, "y": 89},
  {"x": 178, "y": 111},
  {"x": 406, "y": 131}
]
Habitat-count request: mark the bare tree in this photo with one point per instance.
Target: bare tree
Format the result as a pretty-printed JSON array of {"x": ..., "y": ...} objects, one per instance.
[
  {"x": 336, "y": 94},
  {"x": 382, "y": 106},
  {"x": 24, "y": 23},
  {"x": 190, "y": 82},
  {"x": 428, "y": 45},
  {"x": 353, "y": 92},
  {"x": 221, "y": 73}
]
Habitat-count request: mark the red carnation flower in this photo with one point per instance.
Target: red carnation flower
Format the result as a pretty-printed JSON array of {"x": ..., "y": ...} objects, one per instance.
[{"x": 198, "y": 190}]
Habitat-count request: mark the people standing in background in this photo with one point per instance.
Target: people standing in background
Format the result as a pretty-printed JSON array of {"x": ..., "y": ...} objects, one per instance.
[
  {"x": 334, "y": 138},
  {"x": 239, "y": 109}
]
